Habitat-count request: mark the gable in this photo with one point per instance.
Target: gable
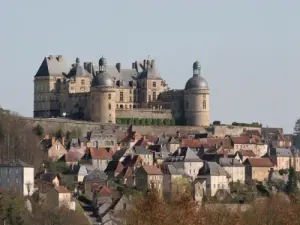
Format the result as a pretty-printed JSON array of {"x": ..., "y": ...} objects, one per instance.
[{"x": 57, "y": 147}]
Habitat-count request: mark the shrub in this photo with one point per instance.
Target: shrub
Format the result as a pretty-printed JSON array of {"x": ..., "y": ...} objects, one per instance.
[{"x": 166, "y": 122}]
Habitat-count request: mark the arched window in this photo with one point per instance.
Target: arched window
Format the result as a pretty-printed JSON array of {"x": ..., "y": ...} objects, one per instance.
[
  {"x": 109, "y": 106},
  {"x": 109, "y": 96},
  {"x": 117, "y": 106},
  {"x": 121, "y": 106},
  {"x": 134, "y": 106},
  {"x": 204, "y": 104},
  {"x": 82, "y": 82}
]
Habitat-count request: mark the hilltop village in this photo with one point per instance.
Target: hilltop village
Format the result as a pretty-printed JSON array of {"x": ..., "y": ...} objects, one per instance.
[{"x": 133, "y": 136}]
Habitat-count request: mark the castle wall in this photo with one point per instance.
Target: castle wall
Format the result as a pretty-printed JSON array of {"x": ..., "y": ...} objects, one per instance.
[
  {"x": 221, "y": 131},
  {"x": 144, "y": 113},
  {"x": 52, "y": 124}
]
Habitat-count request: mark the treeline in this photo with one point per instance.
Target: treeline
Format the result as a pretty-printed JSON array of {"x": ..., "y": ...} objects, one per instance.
[
  {"x": 255, "y": 124},
  {"x": 151, "y": 209},
  {"x": 18, "y": 140},
  {"x": 146, "y": 121},
  {"x": 16, "y": 210}
]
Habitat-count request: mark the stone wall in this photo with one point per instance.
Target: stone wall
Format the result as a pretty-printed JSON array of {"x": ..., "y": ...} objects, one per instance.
[
  {"x": 143, "y": 113},
  {"x": 52, "y": 124},
  {"x": 222, "y": 130}
]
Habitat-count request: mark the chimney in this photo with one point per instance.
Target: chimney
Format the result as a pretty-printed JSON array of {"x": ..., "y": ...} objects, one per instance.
[
  {"x": 59, "y": 57},
  {"x": 152, "y": 63},
  {"x": 118, "y": 66},
  {"x": 50, "y": 57},
  {"x": 63, "y": 141},
  {"x": 53, "y": 140},
  {"x": 145, "y": 65},
  {"x": 133, "y": 65}
]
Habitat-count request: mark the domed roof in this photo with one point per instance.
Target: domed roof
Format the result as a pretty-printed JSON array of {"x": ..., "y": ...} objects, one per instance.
[
  {"x": 102, "y": 61},
  {"x": 196, "y": 82},
  {"x": 102, "y": 79}
]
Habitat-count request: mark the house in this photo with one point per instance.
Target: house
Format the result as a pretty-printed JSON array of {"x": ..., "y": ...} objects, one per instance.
[
  {"x": 100, "y": 157},
  {"x": 214, "y": 177},
  {"x": 257, "y": 169},
  {"x": 74, "y": 155},
  {"x": 147, "y": 177},
  {"x": 101, "y": 194},
  {"x": 56, "y": 151},
  {"x": 245, "y": 154},
  {"x": 17, "y": 176},
  {"x": 94, "y": 177},
  {"x": 83, "y": 171},
  {"x": 187, "y": 160},
  {"x": 113, "y": 169},
  {"x": 102, "y": 139},
  {"x": 126, "y": 176},
  {"x": 281, "y": 157},
  {"x": 146, "y": 155},
  {"x": 174, "y": 181},
  {"x": 60, "y": 196},
  {"x": 235, "y": 169},
  {"x": 245, "y": 143},
  {"x": 173, "y": 144},
  {"x": 51, "y": 178}
]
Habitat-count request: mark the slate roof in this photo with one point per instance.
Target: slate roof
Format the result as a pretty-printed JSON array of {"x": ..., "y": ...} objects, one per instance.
[
  {"x": 139, "y": 150},
  {"x": 15, "y": 163},
  {"x": 96, "y": 174},
  {"x": 184, "y": 154},
  {"x": 212, "y": 169},
  {"x": 230, "y": 162},
  {"x": 53, "y": 66},
  {"x": 281, "y": 152},
  {"x": 78, "y": 70}
]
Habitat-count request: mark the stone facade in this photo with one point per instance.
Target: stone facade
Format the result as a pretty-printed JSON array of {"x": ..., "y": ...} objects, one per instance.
[{"x": 103, "y": 93}]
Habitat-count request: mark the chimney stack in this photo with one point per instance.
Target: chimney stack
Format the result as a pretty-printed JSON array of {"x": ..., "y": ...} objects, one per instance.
[
  {"x": 152, "y": 63},
  {"x": 63, "y": 141},
  {"x": 53, "y": 140},
  {"x": 118, "y": 66}
]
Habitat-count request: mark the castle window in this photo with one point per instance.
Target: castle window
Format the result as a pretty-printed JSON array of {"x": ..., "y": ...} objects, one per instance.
[
  {"x": 117, "y": 106},
  {"x": 154, "y": 84},
  {"x": 130, "y": 98},
  {"x": 204, "y": 104},
  {"x": 109, "y": 96},
  {"x": 109, "y": 106},
  {"x": 82, "y": 82},
  {"x": 154, "y": 96},
  {"x": 121, "y": 96},
  {"x": 186, "y": 104},
  {"x": 121, "y": 106},
  {"x": 134, "y": 106},
  {"x": 130, "y": 91}
]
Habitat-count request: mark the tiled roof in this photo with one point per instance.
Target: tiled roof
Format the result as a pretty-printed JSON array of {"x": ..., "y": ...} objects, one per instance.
[
  {"x": 152, "y": 170},
  {"x": 259, "y": 162},
  {"x": 62, "y": 189},
  {"x": 100, "y": 153},
  {"x": 247, "y": 153},
  {"x": 101, "y": 189},
  {"x": 114, "y": 166},
  {"x": 126, "y": 172},
  {"x": 241, "y": 140},
  {"x": 206, "y": 142}
]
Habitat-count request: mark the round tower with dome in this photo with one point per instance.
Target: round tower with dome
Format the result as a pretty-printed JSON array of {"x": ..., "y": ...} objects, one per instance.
[
  {"x": 196, "y": 99},
  {"x": 103, "y": 96}
]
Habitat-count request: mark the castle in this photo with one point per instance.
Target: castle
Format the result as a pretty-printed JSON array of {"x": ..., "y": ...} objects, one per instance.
[{"x": 103, "y": 93}]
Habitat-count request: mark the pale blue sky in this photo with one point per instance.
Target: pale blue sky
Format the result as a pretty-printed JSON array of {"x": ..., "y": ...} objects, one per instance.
[{"x": 249, "y": 49}]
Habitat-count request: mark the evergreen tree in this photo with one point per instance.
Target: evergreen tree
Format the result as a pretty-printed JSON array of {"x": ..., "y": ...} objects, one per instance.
[
  {"x": 291, "y": 186},
  {"x": 296, "y": 140}
]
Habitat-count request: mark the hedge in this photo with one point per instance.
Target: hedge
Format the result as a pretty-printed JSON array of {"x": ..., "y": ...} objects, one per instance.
[
  {"x": 146, "y": 121},
  {"x": 255, "y": 124}
]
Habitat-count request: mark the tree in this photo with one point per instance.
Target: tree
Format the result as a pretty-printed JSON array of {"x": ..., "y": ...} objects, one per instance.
[
  {"x": 136, "y": 121},
  {"x": 166, "y": 122},
  {"x": 39, "y": 130},
  {"x": 296, "y": 140},
  {"x": 172, "y": 122},
  {"x": 291, "y": 186},
  {"x": 142, "y": 122}
]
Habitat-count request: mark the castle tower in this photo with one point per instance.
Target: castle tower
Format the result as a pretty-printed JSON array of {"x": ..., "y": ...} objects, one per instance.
[
  {"x": 103, "y": 96},
  {"x": 47, "y": 86},
  {"x": 196, "y": 99}
]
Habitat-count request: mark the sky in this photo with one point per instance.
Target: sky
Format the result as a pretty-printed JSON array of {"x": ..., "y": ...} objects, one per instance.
[{"x": 249, "y": 50}]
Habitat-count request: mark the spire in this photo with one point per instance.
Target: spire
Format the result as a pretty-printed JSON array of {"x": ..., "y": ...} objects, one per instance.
[{"x": 196, "y": 68}]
